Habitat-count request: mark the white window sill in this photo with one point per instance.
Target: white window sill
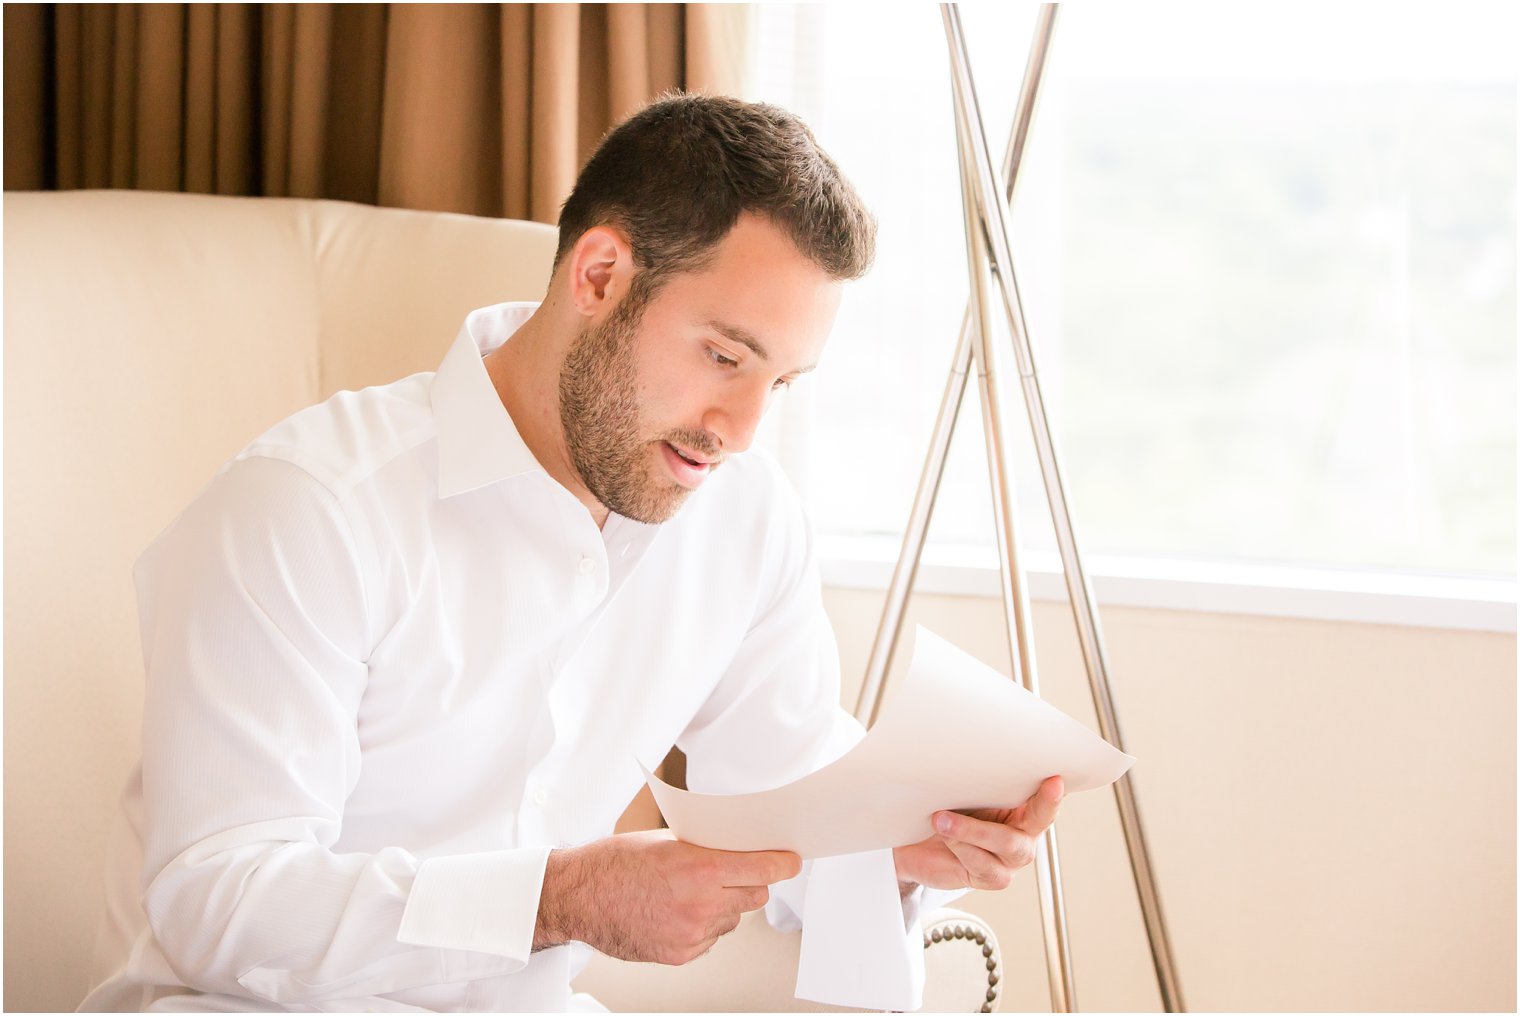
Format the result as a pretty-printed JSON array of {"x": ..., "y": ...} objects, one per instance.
[{"x": 1323, "y": 594}]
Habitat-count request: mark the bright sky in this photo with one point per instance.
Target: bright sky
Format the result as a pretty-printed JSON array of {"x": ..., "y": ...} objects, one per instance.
[{"x": 1328, "y": 40}]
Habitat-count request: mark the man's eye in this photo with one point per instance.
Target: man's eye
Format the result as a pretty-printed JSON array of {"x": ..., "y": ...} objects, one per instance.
[{"x": 720, "y": 359}]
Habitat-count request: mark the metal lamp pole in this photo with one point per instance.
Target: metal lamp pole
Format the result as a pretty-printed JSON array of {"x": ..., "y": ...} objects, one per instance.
[{"x": 991, "y": 268}]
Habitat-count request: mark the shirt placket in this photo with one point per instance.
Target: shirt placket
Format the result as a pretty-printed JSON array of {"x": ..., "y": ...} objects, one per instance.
[{"x": 585, "y": 558}]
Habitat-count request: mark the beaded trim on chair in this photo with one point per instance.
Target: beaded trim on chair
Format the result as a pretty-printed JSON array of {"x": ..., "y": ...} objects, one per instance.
[{"x": 955, "y": 931}]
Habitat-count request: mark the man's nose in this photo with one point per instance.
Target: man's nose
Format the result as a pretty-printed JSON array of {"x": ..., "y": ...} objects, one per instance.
[{"x": 734, "y": 421}]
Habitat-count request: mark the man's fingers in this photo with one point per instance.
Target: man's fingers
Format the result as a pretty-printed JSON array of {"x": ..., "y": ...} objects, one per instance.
[
  {"x": 1014, "y": 846},
  {"x": 983, "y": 870},
  {"x": 722, "y": 926},
  {"x": 747, "y": 898},
  {"x": 1040, "y": 810},
  {"x": 757, "y": 867}
]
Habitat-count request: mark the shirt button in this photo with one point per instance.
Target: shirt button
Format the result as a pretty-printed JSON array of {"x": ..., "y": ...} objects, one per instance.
[
  {"x": 540, "y": 796},
  {"x": 587, "y": 566}
]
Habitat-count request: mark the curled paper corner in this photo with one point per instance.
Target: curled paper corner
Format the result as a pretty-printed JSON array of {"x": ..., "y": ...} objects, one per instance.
[{"x": 955, "y": 735}]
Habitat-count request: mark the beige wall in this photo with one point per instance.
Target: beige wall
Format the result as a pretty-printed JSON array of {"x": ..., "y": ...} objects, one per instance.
[{"x": 1330, "y": 807}]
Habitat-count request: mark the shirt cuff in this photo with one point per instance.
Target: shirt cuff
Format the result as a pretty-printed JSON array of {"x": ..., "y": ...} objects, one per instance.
[
  {"x": 925, "y": 901},
  {"x": 854, "y": 948},
  {"x": 481, "y": 902}
]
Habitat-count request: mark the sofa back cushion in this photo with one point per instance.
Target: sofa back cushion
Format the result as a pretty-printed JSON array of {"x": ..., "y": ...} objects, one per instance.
[{"x": 148, "y": 337}]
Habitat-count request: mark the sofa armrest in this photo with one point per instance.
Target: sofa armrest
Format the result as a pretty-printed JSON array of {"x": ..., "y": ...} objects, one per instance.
[{"x": 754, "y": 968}]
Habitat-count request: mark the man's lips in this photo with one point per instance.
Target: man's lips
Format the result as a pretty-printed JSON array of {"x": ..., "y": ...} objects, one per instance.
[
  {"x": 691, "y": 456},
  {"x": 688, "y": 468}
]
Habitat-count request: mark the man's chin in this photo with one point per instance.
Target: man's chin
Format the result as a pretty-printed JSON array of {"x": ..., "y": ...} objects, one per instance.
[
  {"x": 654, "y": 495},
  {"x": 651, "y": 506},
  {"x": 659, "y": 496},
  {"x": 664, "y": 511}
]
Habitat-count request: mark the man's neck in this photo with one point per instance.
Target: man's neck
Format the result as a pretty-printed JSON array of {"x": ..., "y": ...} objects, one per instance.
[{"x": 525, "y": 372}]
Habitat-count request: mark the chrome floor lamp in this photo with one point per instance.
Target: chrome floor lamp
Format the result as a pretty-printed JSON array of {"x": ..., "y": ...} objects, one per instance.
[{"x": 991, "y": 266}]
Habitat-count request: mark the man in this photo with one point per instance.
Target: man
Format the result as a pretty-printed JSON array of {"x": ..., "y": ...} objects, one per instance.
[{"x": 407, "y": 649}]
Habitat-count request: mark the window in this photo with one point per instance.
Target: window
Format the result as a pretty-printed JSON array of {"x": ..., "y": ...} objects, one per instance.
[{"x": 1267, "y": 255}]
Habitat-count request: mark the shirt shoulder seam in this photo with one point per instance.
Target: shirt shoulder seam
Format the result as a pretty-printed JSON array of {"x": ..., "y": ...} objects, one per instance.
[{"x": 340, "y": 483}]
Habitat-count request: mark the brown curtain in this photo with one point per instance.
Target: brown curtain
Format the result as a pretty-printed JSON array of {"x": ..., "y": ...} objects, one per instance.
[{"x": 488, "y": 109}]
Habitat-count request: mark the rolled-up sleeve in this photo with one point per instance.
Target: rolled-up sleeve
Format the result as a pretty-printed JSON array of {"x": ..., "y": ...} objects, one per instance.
[{"x": 256, "y": 625}]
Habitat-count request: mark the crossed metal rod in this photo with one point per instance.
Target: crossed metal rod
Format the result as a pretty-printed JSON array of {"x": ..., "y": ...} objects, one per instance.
[{"x": 990, "y": 263}]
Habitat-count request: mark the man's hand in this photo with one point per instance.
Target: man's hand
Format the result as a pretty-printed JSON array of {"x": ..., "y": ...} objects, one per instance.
[
  {"x": 648, "y": 896},
  {"x": 982, "y": 849}
]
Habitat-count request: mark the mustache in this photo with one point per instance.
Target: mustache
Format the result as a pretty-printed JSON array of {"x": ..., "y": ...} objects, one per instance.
[{"x": 698, "y": 441}]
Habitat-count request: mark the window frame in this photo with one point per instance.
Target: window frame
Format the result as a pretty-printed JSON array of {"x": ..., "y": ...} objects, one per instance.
[{"x": 1449, "y": 602}]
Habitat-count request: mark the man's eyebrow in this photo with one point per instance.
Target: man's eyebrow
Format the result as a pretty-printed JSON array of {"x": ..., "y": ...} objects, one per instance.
[{"x": 736, "y": 334}]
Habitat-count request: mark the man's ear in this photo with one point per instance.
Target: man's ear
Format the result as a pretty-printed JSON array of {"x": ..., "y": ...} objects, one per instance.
[{"x": 601, "y": 267}]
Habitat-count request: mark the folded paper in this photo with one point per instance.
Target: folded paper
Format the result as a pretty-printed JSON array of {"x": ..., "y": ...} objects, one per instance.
[{"x": 956, "y": 735}]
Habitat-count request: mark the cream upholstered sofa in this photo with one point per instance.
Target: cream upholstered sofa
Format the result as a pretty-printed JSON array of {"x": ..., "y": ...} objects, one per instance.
[{"x": 148, "y": 337}]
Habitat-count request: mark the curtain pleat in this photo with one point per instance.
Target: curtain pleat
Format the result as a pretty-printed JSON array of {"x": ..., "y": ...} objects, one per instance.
[
  {"x": 237, "y": 54},
  {"x": 123, "y": 98},
  {"x": 628, "y": 77},
  {"x": 277, "y": 60},
  {"x": 68, "y": 102},
  {"x": 159, "y": 66},
  {"x": 309, "y": 100},
  {"x": 555, "y": 65},
  {"x": 591, "y": 83},
  {"x": 484, "y": 109},
  {"x": 91, "y": 67},
  {"x": 438, "y": 145},
  {"x": 516, "y": 90},
  {"x": 355, "y": 99},
  {"x": 26, "y": 84},
  {"x": 669, "y": 42},
  {"x": 723, "y": 55},
  {"x": 200, "y": 100}
]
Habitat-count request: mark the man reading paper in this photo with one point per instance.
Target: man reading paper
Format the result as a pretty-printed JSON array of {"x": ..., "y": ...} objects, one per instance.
[{"x": 406, "y": 650}]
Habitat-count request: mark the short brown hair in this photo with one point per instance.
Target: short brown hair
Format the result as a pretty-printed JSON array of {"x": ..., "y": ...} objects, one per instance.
[{"x": 676, "y": 175}]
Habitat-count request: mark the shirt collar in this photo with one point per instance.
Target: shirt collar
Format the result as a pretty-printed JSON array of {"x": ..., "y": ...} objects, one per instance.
[{"x": 478, "y": 443}]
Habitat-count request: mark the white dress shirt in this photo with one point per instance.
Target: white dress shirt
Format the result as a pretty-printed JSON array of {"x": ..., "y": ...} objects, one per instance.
[{"x": 391, "y": 663}]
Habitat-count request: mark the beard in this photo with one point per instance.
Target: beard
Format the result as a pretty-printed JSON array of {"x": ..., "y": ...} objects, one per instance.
[{"x": 603, "y": 421}]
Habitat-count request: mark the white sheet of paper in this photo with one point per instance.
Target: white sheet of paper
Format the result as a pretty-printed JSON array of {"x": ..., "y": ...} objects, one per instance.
[{"x": 956, "y": 735}]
